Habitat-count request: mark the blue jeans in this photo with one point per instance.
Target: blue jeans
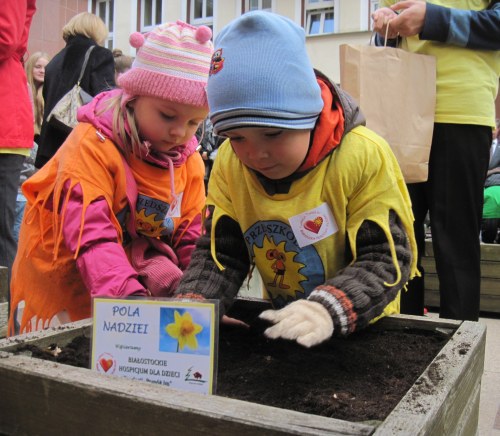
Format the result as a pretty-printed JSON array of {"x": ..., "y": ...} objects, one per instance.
[
  {"x": 10, "y": 171},
  {"x": 20, "y": 205}
]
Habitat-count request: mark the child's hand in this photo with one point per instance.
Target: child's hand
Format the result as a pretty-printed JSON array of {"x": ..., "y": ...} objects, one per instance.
[
  {"x": 234, "y": 322},
  {"x": 307, "y": 322}
]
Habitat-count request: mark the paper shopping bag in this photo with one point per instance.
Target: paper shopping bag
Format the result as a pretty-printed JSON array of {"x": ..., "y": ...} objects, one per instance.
[{"x": 396, "y": 91}]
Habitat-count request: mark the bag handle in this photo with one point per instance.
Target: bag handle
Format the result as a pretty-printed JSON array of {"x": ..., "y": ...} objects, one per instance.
[
  {"x": 385, "y": 38},
  {"x": 85, "y": 61}
]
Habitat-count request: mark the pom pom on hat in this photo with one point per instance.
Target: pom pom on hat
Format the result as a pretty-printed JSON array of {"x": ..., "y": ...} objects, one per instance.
[
  {"x": 261, "y": 75},
  {"x": 172, "y": 63},
  {"x": 203, "y": 34},
  {"x": 136, "y": 40}
]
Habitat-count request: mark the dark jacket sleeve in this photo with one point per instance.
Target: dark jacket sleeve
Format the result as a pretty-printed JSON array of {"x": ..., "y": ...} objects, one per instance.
[
  {"x": 204, "y": 277},
  {"x": 464, "y": 28},
  {"x": 102, "y": 71},
  {"x": 361, "y": 291}
]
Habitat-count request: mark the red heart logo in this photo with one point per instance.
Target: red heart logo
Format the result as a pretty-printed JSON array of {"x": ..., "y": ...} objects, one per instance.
[
  {"x": 106, "y": 363},
  {"x": 314, "y": 225}
]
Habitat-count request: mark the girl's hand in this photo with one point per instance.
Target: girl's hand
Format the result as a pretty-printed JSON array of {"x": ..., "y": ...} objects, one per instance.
[{"x": 234, "y": 322}]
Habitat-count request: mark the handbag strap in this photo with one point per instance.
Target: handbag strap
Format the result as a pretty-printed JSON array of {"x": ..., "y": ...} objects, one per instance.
[{"x": 85, "y": 61}]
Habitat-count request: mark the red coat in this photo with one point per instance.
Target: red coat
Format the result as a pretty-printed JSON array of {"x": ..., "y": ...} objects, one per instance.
[{"x": 16, "y": 114}]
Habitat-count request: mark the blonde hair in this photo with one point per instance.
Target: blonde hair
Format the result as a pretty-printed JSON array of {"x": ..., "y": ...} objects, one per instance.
[
  {"x": 36, "y": 88},
  {"x": 130, "y": 141},
  {"x": 86, "y": 24}
]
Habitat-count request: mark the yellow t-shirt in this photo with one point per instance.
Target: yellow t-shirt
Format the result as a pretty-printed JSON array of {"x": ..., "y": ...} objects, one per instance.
[
  {"x": 467, "y": 79},
  {"x": 359, "y": 181}
]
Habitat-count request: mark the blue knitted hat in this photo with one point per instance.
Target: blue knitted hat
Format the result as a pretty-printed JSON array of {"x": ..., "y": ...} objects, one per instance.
[{"x": 261, "y": 76}]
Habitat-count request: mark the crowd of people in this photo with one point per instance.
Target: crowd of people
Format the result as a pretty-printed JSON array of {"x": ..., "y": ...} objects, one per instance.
[{"x": 134, "y": 202}]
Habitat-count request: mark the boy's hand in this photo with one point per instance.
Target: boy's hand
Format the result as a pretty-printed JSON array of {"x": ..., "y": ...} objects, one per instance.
[{"x": 307, "y": 322}]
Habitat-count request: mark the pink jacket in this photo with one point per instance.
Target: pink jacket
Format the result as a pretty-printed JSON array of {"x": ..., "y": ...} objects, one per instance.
[{"x": 99, "y": 245}]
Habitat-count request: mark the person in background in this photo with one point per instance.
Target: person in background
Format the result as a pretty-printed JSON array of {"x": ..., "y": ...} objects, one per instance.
[
  {"x": 35, "y": 72},
  {"x": 300, "y": 188},
  {"x": 16, "y": 115},
  {"x": 61, "y": 74},
  {"x": 491, "y": 208},
  {"x": 209, "y": 143},
  {"x": 123, "y": 62},
  {"x": 27, "y": 171},
  {"x": 465, "y": 40},
  {"x": 116, "y": 212}
]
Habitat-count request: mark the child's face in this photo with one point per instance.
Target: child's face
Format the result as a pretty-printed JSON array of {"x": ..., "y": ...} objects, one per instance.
[
  {"x": 276, "y": 153},
  {"x": 166, "y": 124}
]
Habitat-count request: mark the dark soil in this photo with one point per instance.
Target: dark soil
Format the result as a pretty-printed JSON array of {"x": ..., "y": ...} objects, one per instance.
[{"x": 358, "y": 378}]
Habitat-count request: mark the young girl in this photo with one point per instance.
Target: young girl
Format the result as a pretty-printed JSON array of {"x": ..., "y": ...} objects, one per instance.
[
  {"x": 35, "y": 72},
  {"x": 133, "y": 150},
  {"x": 300, "y": 188}
]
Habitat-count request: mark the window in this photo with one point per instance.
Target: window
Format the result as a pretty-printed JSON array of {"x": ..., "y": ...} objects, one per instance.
[
  {"x": 320, "y": 17},
  {"x": 374, "y": 5},
  {"x": 202, "y": 12},
  {"x": 151, "y": 14},
  {"x": 104, "y": 9},
  {"x": 263, "y": 5}
]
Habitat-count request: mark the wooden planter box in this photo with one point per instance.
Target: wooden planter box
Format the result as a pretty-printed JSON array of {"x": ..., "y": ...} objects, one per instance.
[
  {"x": 43, "y": 397},
  {"x": 3, "y": 301},
  {"x": 490, "y": 278}
]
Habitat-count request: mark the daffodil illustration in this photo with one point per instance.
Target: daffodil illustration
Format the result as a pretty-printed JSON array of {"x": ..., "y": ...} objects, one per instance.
[{"x": 184, "y": 330}]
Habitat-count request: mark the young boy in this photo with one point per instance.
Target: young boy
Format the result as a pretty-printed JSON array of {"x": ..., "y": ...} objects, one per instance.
[{"x": 301, "y": 189}]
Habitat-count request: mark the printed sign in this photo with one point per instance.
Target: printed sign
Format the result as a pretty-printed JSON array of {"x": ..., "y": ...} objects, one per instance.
[
  {"x": 163, "y": 341},
  {"x": 314, "y": 225}
]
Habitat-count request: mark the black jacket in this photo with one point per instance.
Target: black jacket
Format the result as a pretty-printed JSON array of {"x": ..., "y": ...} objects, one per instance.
[{"x": 61, "y": 74}]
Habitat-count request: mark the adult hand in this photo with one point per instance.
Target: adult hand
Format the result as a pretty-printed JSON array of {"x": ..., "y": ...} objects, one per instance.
[
  {"x": 307, "y": 322},
  {"x": 381, "y": 18},
  {"x": 410, "y": 20}
]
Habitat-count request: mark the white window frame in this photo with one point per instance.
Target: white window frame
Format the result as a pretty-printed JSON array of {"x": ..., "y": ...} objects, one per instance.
[
  {"x": 259, "y": 6},
  {"x": 321, "y": 7},
  {"x": 204, "y": 19},
  {"x": 143, "y": 27},
  {"x": 109, "y": 9},
  {"x": 374, "y": 5}
]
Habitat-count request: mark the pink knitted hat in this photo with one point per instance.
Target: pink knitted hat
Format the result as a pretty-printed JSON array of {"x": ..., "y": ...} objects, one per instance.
[{"x": 172, "y": 63}]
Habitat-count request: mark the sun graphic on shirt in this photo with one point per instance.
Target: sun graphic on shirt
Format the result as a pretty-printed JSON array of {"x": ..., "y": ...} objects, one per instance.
[
  {"x": 147, "y": 224},
  {"x": 279, "y": 270}
]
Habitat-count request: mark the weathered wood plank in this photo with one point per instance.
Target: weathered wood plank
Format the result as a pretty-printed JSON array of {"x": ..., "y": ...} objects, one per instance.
[
  {"x": 489, "y": 287},
  {"x": 3, "y": 284},
  {"x": 445, "y": 398},
  {"x": 488, "y": 251},
  {"x": 488, "y": 303},
  {"x": 67, "y": 400},
  {"x": 4, "y": 309},
  {"x": 490, "y": 278},
  {"x": 489, "y": 270}
]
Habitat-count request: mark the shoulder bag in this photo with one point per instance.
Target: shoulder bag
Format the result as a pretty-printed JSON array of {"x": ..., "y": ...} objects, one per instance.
[{"x": 63, "y": 116}]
